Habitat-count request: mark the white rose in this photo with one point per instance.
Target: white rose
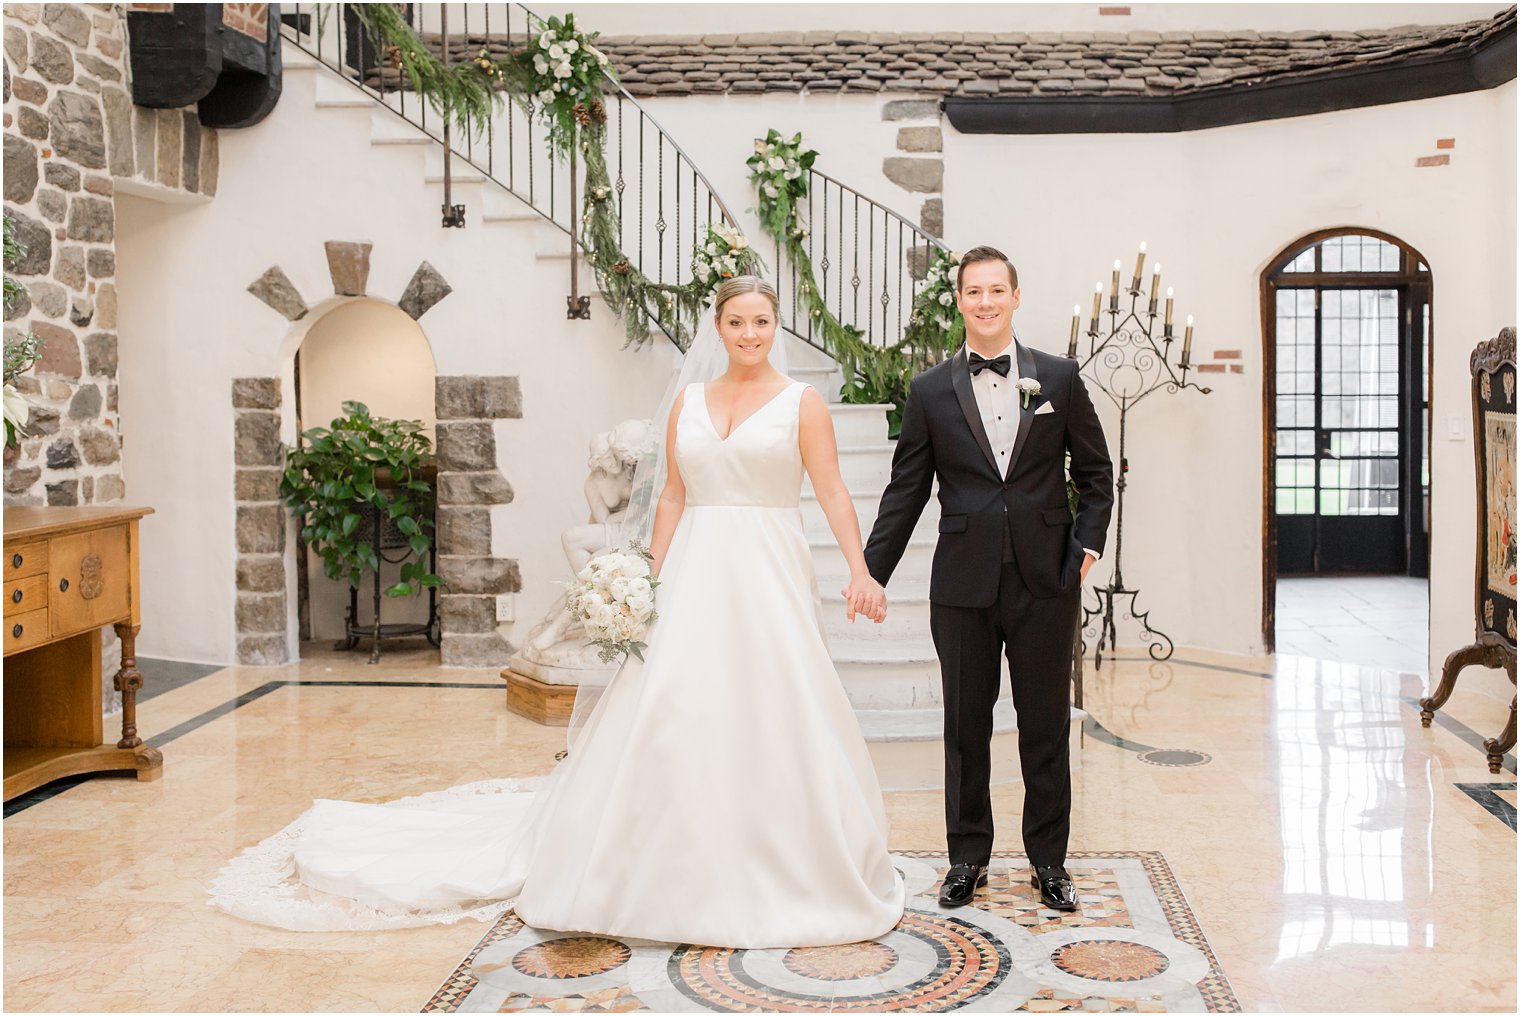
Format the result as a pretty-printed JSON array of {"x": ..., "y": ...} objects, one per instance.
[
  {"x": 729, "y": 267},
  {"x": 771, "y": 191},
  {"x": 793, "y": 173},
  {"x": 546, "y": 96},
  {"x": 703, "y": 272},
  {"x": 944, "y": 299},
  {"x": 759, "y": 147},
  {"x": 585, "y": 573},
  {"x": 638, "y": 567},
  {"x": 540, "y": 65},
  {"x": 556, "y": 52},
  {"x": 640, "y": 605},
  {"x": 639, "y": 586},
  {"x": 571, "y": 45},
  {"x": 546, "y": 40},
  {"x": 619, "y": 588},
  {"x": 562, "y": 71},
  {"x": 590, "y": 601},
  {"x": 604, "y": 614},
  {"x": 776, "y": 162}
]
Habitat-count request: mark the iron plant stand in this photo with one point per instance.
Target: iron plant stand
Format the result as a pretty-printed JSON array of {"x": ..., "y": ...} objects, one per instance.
[
  {"x": 387, "y": 537},
  {"x": 1126, "y": 365}
]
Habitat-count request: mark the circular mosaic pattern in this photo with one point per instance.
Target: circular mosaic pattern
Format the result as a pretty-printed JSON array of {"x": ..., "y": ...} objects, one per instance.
[
  {"x": 841, "y": 962},
  {"x": 954, "y": 962},
  {"x": 1175, "y": 757},
  {"x": 565, "y": 958},
  {"x": 1110, "y": 960}
]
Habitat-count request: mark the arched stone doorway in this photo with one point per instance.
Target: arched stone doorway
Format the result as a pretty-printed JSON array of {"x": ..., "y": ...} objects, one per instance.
[{"x": 1346, "y": 325}]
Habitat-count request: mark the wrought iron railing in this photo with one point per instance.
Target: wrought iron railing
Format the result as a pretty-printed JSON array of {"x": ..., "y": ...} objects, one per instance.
[
  {"x": 868, "y": 262},
  {"x": 665, "y": 203}
]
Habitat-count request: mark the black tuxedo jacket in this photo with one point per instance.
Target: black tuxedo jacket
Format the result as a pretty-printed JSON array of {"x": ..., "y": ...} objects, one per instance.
[{"x": 942, "y": 436}]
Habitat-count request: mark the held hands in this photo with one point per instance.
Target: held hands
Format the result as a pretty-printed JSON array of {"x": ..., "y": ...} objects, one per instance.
[{"x": 864, "y": 595}]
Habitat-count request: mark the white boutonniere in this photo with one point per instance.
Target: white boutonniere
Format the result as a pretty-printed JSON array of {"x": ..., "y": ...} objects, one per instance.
[{"x": 1028, "y": 387}]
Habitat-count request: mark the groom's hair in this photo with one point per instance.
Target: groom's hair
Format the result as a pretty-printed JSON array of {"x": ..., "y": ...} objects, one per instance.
[{"x": 976, "y": 254}]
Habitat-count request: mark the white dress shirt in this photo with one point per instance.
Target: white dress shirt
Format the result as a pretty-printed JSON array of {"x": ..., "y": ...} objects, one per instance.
[{"x": 997, "y": 399}]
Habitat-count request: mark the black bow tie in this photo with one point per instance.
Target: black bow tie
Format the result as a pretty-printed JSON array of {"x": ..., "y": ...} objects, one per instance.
[{"x": 1000, "y": 364}]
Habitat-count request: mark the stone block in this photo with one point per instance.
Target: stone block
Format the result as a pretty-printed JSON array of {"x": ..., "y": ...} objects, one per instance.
[
  {"x": 52, "y": 60},
  {"x": 919, "y": 175},
  {"x": 276, "y": 290},
  {"x": 100, "y": 352},
  {"x": 260, "y": 613},
  {"x": 101, "y": 447},
  {"x": 52, "y": 205},
  {"x": 489, "y": 650},
  {"x": 910, "y": 109},
  {"x": 63, "y": 494},
  {"x": 264, "y": 573},
  {"x": 60, "y": 350},
  {"x": 256, "y": 439},
  {"x": 86, "y": 403},
  {"x": 62, "y": 454},
  {"x": 20, "y": 173},
  {"x": 932, "y": 217},
  {"x": 92, "y": 219},
  {"x": 110, "y": 487},
  {"x": 48, "y": 297},
  {"x": 120, "y": 147},
  {"x": 463, "y": 447},
  {"x": 478, "y": 398},
  {"x": 69, "y": 268},
  {"x": 256, "y": 393},
  {"x": 261, "y": 529},
  {"x": 348, "y": 264},
  {"x": 32, "y": 124},
  {"x": 101, "y": 263},
  {"x": 262, "y": 650},
  {"x": 469, "y": 615},
  {"x": 920, "y": 139},
  {"x": 464, "y": 531},
  {"x": 482, "y": 575},
  {"x": 78, "y": 129},
  {"x": 424, "y": 290},
  {"x": 479, "y": 488},
  {"x": 19, "y": 480},
  {"x": 257, "y": 484},
  {"x": 69, "y": 21}
]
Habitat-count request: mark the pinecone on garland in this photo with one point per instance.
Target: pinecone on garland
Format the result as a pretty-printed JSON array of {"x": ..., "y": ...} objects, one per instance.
[
  {"x": 393, "y": 54},
  {"x": 622, "y": 267},
  {"x": 598, "y": 111},
  {"x": 581, "y": 113}
]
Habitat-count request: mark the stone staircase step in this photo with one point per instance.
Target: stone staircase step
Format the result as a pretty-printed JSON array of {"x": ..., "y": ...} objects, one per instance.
[
  {"x": 912, "y": 571},
  {"x": 333, "y": 92}
]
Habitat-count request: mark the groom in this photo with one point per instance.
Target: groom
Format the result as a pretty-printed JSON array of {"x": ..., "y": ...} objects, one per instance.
[{"x": 994, "y": 425}]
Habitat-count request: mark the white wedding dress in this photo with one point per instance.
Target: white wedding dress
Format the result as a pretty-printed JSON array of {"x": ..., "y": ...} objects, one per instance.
[{"x": 720, "y": 793}]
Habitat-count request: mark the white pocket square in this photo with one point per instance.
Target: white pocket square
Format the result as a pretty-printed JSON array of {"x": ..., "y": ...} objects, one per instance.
[{"x": 1045, "y": 407}]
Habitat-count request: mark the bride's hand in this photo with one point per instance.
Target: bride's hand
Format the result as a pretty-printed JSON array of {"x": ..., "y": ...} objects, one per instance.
[{"x": 864, "y": 595}]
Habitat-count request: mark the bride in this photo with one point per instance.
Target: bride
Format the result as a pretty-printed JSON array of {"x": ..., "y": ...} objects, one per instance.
[{"x": 720, "y": 792}]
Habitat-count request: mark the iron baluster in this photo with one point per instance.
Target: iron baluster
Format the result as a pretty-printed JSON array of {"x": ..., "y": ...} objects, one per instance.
[{"x": 453, "y": 215}]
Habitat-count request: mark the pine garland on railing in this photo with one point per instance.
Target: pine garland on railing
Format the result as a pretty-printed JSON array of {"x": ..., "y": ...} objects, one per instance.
[
  {"x": 874, "y": 375},
  {"x": 559, "y": 77}
]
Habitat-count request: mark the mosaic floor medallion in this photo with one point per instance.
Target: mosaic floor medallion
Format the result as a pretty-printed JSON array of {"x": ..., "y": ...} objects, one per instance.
[
  {"x": 1175, "y": 757},
  {"x": 1134, "y": 946}
]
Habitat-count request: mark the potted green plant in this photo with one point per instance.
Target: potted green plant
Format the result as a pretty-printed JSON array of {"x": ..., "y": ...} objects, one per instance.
[{"x": 359, "y": 463}]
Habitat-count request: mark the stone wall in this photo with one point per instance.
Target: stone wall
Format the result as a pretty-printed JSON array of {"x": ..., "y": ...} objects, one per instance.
[{"x": 72, "y": 136}]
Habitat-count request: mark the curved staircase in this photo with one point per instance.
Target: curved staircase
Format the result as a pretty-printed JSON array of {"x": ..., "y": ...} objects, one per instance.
[{"x": 890, "y": 671}]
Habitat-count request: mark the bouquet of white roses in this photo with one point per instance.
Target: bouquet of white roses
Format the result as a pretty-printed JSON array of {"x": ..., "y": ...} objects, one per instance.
[
  {"x": 614, "y": 599},
  {"x": 725, "y": 254}
]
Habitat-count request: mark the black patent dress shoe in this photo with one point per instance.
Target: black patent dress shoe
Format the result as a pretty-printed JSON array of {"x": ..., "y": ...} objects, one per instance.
[
  {"x": 1056, "y": 890},
  {"x": 961, "y": 883}
]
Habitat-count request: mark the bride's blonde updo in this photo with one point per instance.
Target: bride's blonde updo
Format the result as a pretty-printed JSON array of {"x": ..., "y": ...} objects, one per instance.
[{"x": 741, "y": 284}]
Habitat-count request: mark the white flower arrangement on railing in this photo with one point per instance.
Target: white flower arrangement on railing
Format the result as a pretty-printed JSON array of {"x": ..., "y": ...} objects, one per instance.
[
  {"x": 778, "y": 169},
  {"x": 563, "y": 72},
  {"x": 935, "y": 303},
  {"x": 726, "y": 254}
]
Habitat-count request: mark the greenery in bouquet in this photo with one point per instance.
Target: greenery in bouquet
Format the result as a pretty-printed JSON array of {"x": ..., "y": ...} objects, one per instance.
[
  {"x": 613, "y": 598},
  {"x": 362, "y": 463},
  {"x": 725, "y": 255},
  {"x": 778, "y": 169}
]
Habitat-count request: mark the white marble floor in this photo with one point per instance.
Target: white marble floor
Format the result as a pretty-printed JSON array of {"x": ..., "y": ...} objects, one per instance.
[{"x": 1375, "y": 620}]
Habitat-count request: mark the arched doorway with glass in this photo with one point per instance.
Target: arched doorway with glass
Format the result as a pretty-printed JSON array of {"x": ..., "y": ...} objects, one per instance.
[{"x": 1346, "y": 317}]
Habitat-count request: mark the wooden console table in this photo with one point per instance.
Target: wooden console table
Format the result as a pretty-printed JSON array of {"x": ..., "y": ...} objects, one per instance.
[{"x": 68, "y": 571}]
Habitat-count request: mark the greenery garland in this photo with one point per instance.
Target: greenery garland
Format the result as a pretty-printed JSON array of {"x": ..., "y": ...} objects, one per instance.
[{"x": 876, "y": 375}]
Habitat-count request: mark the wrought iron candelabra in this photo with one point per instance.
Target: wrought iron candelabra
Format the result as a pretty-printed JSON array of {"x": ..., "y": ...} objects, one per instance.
[{"x": 1126, "y": 363}]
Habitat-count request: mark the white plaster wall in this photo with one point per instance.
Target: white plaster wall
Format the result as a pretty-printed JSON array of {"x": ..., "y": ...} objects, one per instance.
[
  {"x": 188, "y": 327},
  {"x": 1214, "y": 206}
]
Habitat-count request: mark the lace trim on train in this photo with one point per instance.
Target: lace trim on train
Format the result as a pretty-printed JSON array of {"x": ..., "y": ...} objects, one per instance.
[{"x": 260, "y": 883}]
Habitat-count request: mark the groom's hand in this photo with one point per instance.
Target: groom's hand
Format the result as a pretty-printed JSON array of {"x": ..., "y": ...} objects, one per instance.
[
  {"x": 864, "y": 595},
  {"x": 1087, "y": 563}
]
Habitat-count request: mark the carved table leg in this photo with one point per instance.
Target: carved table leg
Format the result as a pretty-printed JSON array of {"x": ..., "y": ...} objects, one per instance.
[
  {"x": 128, "y": 680},
  {"x": 1497, "y": 746},
  {"x": 1454, "y": 665}
]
